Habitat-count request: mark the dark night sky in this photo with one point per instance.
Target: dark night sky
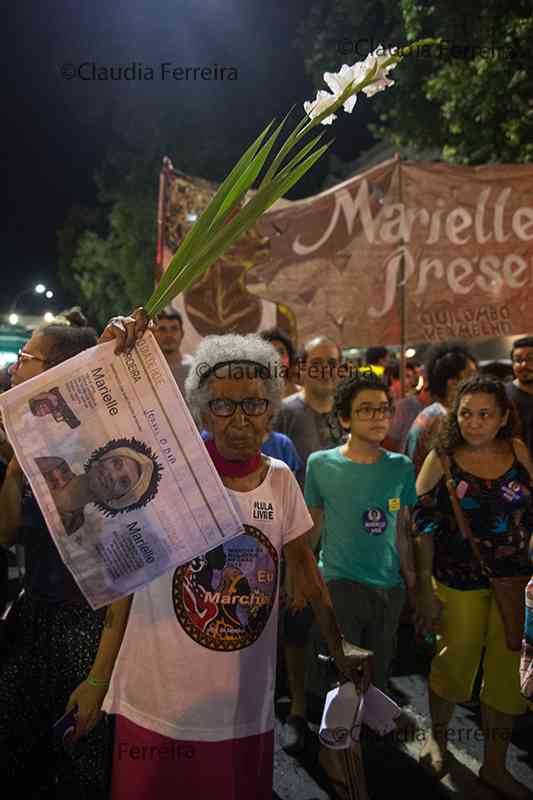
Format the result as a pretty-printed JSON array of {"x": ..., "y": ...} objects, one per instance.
[{"x": 57, "y": 130}]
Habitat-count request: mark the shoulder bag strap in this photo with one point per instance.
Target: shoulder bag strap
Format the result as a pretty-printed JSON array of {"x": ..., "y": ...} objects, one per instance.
[{"x": 460, "y": 516}]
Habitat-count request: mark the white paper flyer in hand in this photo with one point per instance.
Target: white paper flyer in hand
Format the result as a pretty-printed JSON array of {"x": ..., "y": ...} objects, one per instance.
[{"x": 119, "y": 470}]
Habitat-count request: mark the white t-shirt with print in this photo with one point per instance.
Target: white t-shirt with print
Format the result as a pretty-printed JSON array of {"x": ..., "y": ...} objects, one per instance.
[{"x": 198, "y": 659}]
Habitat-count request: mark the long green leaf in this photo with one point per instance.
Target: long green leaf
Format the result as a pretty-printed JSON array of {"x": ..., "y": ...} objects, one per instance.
[
  {"x": 260, "y": 203},
  {"x": 286, "y": 148},
  {"x": 201, "y": 226},
  {"x": 300, "y": 155},
  {"x": 241, "y": 187},
  {"x": 264, "y": 198},
  {"x": 238, "y": 193}
]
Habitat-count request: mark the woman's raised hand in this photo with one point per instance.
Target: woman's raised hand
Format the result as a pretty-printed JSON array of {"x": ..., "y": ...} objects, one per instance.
[{"x": 126, "y": 330}]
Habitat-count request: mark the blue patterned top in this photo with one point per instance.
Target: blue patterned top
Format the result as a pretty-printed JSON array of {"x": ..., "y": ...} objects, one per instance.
[{"x": 500, "y": 514}]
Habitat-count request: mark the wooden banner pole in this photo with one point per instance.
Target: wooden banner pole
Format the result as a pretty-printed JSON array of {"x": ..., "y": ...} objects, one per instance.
[{"x": 402, "y": 292}]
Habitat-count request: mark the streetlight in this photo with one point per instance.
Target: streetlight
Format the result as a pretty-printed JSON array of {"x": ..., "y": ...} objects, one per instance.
[
  {"x": 38, "y": 288},
  {"x": 13, "y": 319},
  {"x": 48, "y": 316}
]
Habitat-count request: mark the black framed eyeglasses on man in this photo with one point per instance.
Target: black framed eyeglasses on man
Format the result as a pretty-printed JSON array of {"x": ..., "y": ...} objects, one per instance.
[
  {"x": 250, "y": 406},
  {"x": 368, "y": 412}
]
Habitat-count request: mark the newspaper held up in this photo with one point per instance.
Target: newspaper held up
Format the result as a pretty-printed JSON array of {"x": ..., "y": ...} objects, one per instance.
[{"x": 118, "y": 468}]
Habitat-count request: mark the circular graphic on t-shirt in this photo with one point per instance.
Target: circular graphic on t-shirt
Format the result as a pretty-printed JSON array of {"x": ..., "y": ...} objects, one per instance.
[
  {"x": 512, "y": 491},
  {"x": 224, "y": 598},
  {"x": 374, "y": 521}
]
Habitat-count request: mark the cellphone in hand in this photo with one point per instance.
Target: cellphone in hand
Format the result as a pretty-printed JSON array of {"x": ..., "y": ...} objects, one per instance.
[{"x": 65, "y": 726}]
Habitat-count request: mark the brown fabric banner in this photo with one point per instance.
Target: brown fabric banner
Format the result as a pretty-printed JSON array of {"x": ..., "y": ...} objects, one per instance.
[{"x": 454, "y": 244}]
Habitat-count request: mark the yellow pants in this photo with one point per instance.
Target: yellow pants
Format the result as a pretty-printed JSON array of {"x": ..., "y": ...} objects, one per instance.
[{"x": 470, "y": 622}]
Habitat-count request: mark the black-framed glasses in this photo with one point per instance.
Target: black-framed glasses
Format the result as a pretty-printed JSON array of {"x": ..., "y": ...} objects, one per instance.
[
  {"x": 365, "y": 413},
  {"x": 251, "y": 406}
]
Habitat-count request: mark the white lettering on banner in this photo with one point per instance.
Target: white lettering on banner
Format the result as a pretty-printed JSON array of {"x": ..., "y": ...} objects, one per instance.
[
  {"x": 493, "y": 275},
  {"x": 393, "y": 224},
  {"x": 465, "y": 323}
]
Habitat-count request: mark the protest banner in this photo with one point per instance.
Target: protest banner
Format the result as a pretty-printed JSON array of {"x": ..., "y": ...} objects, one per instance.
[
  {"x": 414, "y": 251},
  {"x": 119, "y": 470}
]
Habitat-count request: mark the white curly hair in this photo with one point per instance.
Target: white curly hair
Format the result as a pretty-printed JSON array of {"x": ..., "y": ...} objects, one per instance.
[{"x": 250, "y": 355}]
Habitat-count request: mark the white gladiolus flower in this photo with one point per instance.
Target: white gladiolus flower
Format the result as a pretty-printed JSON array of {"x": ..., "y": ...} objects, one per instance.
[
  {"x": 338, "y": 81},
  {"x": 377, "y": 58},
  {"x": 315, "y": 107}
]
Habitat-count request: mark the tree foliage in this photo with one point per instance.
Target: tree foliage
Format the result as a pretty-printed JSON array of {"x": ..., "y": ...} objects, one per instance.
[
  {"x": 107, "y": 254},
  {"x": 472, "y": 97}
]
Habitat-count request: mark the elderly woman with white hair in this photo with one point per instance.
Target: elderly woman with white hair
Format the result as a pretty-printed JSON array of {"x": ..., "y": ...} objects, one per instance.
[{"x": 193, "y": 684}]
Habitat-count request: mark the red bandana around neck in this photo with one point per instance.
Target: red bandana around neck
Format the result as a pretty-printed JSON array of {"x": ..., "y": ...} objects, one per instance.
[{"x": 232, "y": 469}]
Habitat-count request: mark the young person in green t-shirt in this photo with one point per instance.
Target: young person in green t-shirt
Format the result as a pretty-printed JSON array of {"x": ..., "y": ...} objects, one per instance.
[{"x": 362, "y": 493}]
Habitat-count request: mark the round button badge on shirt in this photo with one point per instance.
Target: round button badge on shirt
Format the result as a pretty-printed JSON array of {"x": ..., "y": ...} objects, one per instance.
[{"x": 374, "y": 521}]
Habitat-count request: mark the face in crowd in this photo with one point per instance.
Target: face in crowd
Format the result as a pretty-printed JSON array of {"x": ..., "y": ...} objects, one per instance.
[
  {"x": 468, "y": 372},
  {"x": 113, "y": 476},
  {"x": 320, "y": 373},
  {"x": 480, "y": 418},
  {"x": 371, "y": 416},
  {"x": 238, "y": 416},
  {"x": 169, "y": 335},
  {"x": 33, "y": 359},
  {"x": 522, "y": 359},
  {"x": 411, "y": 378}
]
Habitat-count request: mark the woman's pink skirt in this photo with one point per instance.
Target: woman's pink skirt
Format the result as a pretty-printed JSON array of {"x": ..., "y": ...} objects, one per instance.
[{"x": 147, "y": 765}]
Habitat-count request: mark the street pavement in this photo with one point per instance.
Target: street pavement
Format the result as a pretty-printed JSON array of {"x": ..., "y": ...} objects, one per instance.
[{"x": 392, "y": 766}]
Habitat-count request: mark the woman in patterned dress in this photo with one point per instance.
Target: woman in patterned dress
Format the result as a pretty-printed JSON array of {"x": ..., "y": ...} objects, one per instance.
[{"x": 491, "y": 472}]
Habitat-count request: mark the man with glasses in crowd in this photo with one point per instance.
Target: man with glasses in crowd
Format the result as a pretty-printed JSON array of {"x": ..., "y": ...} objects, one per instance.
[
  {"x": 359, "y": 495},
  {"x": 520, "y": 391},
  {"x": 307, "y": 418}
]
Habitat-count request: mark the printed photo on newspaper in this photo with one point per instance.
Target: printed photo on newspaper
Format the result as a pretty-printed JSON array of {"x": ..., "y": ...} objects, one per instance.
[{"x": 118, "y": 468}]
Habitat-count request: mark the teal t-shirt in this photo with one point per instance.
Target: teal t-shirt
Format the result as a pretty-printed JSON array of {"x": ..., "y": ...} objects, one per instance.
[{"x": 361, "y": 504}]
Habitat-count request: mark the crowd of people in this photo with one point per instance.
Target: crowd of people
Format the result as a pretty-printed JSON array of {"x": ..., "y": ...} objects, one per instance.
[{"x": 378, "y": 503}]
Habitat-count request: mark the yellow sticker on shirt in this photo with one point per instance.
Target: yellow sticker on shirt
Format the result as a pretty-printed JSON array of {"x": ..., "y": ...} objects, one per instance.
[{"x": 394, "y": 504}]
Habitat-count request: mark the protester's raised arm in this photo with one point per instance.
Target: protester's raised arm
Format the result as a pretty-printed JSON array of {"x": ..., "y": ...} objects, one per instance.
[{"x": 125, "y": 330}]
